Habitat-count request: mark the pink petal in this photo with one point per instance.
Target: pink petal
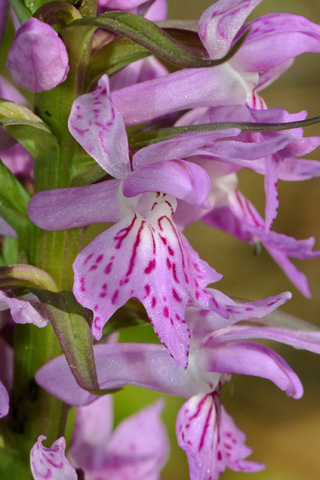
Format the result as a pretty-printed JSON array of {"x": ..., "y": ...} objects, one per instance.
[
  {"x": 211, "y": 439},
  {"x": 220, "y": 23},
  {"x": 275, "y": 38},
  {"x": 179, "y": 147},
  {"x": 26, "y": 309},
  {"x": 246, "y": 358},
  {"x": 144, "y": 365},
  {"x": 98, "y": 126},
  {"x": 182, "y": 179},
  {"x": 136, "y": 72},
  {"x": 4, "y": 401},
  {"x": 51, "y": 462},
  {"x": 65, "y": 208},
  {"x": 179, "y": 90},
  {"x": 92, "y": 430},
  {"x": 145, "y": 257},
  {"x": 139, "y": 446},
  {"x": 6, "y": 230}
]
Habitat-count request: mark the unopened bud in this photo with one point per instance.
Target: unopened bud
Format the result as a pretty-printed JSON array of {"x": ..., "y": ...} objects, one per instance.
[{"x": 38, "y": 58}]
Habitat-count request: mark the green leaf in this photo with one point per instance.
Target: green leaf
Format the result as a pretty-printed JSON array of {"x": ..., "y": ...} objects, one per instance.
[
  {"x": 13, "y": 202},
  {"x": 113, "y": 57},
  {"x": 57, "y": 13},
  {"x": 12, "y": 190},
  {"x": 18, "y": 276},
  {"x": 84, "y": 169},
  {"x": 153, "y": 38},
  {"x": 30, "y": 131},
  {"x": 23, "y": 14},
  {"x": 71, "y": 324},
  {"x": 10, "y": 250},
  {"x": 140, "y": 140}
]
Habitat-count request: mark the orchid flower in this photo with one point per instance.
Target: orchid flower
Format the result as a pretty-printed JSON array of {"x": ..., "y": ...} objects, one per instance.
[
  {"x": 137, "y": 449},
  {"x": 283, "y": 36},
  {"x": 204, "y": 429},
  {"x": 237, "y": 216},
  {"x": 143, "y": 255}
]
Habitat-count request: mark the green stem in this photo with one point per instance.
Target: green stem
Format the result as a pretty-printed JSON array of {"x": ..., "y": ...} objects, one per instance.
[{"x": 34, "y": 411}]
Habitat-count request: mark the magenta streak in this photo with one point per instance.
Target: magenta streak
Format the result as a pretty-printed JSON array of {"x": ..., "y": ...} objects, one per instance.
[
  {"x": 151, "y": 266},
  {"x": 154, "y": 303},
  {"x": 205, "y": 428},
  {"x": 147, "y": 289},
  {"x": 153, "y": 240},
  {"x": 155, "y": 203},
  {"x": 99, "y": 258},
  {"x": 166, "y": 311},
  {"x": 200, "y": 405},
  {"x": 168, "y": 203},
  {"x": 48, "y": 473},
  {"x": 96, "y": 323},
  {"x": 135, "y": 248},
  {"x": 121, "y": 236},
  {"x": 80, "y": 131},
  {"x": 55, "y": 465},
  {"x": 114, "y": 297},
  {"x": 176, "y": 296},
  {"x": 179, "y": 243},
  {"x": 108, "y": 268},
  {"x": 87, "y": 259},
  {"x": 174, "y": 272},
  {"x": 168, "y": 264}
]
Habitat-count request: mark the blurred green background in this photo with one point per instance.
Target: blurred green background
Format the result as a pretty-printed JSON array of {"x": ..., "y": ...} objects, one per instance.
[{"x": 284, "y": 433}]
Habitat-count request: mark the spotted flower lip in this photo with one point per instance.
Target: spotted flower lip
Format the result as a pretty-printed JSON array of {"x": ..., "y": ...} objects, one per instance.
[{"x": 211, "y": 439}]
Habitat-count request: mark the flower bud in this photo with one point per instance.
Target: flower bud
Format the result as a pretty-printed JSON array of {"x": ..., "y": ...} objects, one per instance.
[{"x": 38, "y": 58}]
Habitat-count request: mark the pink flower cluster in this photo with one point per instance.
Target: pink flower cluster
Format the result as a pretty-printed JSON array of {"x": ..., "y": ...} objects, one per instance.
[{"x": 155, "y": 192}]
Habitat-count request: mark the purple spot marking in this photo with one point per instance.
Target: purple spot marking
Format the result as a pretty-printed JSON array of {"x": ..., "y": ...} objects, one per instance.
[
  {"x": 82, "y": 287},
  {"x": 108, "y": 268},
  {"x": 168, "y": 263},
  {"x": 87, "y": 259},
  {"x": 99, "y": 258},
  {"x": 176, "y": 296},
  {"x": 147, "y": 289},
  {"x": 151, "y": 266},
  {"x": 103, "y": 294},
  {"x": 166, "y": 312},
  {"x": 114, "y": 297},
  {"x": 154, "y": 303},
  {"x": 93, "y": 267},
  {"x": 96, "y": 323},
  {"x": 170, "y": 250}
]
